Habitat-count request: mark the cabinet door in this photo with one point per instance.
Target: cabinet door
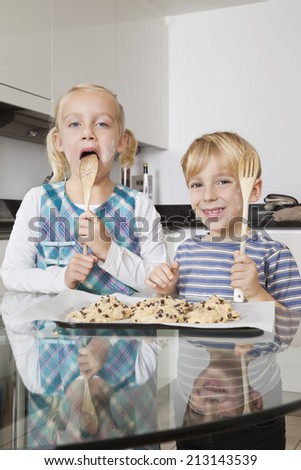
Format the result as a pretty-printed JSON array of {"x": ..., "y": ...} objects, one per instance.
[
  {"x": 83, "y": 43},
  {"x": 121, "y": 46},
  {"x": 25, "y": 53},
  {"x": 142, "y": 73}
]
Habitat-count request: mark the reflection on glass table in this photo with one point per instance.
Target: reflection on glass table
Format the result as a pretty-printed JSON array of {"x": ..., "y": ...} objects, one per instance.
[
  {"x": 102, "y": 388},
  {"x": 227, "y": 381}
]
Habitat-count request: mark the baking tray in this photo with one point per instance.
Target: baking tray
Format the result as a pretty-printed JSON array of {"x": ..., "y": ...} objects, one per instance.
[{"x": 254, "y": 316}]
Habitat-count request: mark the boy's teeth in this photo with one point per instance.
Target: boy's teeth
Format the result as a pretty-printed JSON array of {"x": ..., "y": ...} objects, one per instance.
[{"x": 213, "y": 212}]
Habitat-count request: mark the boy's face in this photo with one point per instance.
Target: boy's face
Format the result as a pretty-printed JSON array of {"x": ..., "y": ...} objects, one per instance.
[
  {"x": 216, "y": 198},
  {"x": 89, "y": 123},
  {"x": 218, "y": 391}
]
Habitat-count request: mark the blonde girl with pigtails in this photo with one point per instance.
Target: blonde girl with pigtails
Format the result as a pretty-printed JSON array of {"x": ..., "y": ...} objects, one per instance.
[{"x": 45, "y": 250}]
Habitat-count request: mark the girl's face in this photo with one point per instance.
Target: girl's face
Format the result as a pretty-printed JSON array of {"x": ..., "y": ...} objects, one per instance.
[
  {"x": 216, "y": 199},
  {"x": 89, "y": 124}
]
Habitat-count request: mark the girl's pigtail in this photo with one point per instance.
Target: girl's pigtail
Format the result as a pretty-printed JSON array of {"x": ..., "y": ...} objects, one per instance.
[
  {"x": 58, "y": 160},
  {"x": 127, "y": 158}
]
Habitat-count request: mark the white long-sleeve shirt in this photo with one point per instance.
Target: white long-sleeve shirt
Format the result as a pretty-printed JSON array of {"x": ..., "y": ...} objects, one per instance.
[{"x": 19, "y": 271}]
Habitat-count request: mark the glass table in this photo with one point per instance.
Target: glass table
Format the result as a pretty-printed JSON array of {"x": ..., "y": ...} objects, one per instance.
[{"x": 78, "y": 386}]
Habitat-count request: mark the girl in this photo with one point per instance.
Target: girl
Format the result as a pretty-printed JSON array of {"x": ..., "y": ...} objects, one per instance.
[
  {"x": 45, "y": 253},
  {"x": 211, "y": 264}
]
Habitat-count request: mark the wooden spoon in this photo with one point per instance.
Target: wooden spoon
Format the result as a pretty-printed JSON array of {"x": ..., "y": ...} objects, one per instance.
[
  {"x": 245, "y": 384},
  {"x": 88, "y": 167},
  {"x": 88, "y": 416},
  {"x": 247, "y": 172}
]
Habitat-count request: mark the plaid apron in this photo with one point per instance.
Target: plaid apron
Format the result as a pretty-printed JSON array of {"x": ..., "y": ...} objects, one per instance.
[
  {"x": 54, "y": 416},
  {"x": 58, "y": 239}
]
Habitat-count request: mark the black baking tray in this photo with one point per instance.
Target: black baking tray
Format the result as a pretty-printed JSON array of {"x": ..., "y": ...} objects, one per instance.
[{"x": 202, "y": 331}]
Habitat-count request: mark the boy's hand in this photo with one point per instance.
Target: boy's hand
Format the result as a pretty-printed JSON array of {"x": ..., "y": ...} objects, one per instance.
[
  {"x": 92, "y": 232},
  {"x": 163, "y": 278},
  {"x": 79, "y": 269},
  {"x": 244, "y": 275}
]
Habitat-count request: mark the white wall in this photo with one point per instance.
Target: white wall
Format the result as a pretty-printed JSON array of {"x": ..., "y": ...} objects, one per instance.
[
  {"x": 22, "y": 166},
  {"x": 236, "y": 69}
]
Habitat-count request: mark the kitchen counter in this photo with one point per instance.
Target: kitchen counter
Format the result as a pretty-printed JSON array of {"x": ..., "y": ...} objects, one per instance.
[
  {"x": 174, "y": 216},
  {"x": 142, "y": 390}
]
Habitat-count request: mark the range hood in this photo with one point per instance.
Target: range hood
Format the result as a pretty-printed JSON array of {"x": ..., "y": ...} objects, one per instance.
[{"x": 23, "y": 124}]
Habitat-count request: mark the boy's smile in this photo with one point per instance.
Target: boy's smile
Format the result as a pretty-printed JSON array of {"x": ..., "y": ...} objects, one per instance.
[{"x": 216, "y": 198}]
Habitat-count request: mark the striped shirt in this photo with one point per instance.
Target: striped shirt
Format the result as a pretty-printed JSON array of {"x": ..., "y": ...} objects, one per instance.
[{"x": 205, "y": 268}]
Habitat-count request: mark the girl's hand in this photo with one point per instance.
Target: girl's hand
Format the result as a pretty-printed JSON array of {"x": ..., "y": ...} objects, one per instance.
[
  {"x": 78, "y": 269},
  {"x": 92, "y": 232},
  {"x": 163, "y": 278},
  {"x": 92, "y": 357},
  {"x": 244, "y": 275}
]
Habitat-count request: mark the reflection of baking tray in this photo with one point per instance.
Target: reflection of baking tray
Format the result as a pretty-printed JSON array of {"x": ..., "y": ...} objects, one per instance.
[{"x": 190, "y": 329}]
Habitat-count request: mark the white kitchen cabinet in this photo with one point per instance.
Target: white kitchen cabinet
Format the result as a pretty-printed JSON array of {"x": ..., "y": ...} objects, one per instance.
[
  {"x": 142, "y": 73},
  {"x": 290, "y": 237},
  {"x": 121, "y": 45},
  {"x": 83, "y": 43},
  {"x": 25, "y": 54}
]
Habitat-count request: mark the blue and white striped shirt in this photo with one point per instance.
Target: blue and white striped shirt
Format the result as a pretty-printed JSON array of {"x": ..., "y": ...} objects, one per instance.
[{"x": 205, "y": 268}]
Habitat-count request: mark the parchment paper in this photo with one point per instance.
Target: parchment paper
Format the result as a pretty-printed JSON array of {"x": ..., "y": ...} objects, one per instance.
[{"x": 252, "y": 314}]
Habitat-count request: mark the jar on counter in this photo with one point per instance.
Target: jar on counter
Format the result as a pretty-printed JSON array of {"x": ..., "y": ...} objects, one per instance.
[
  {"x": 147, "y": 182},
  {"x": 126, "y": 176}
]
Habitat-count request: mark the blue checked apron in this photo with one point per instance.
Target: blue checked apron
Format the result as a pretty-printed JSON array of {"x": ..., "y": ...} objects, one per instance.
[{"x": 59, "y": 233}]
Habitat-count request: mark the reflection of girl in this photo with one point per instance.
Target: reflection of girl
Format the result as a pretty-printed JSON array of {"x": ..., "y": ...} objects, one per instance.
[
  {"x": 121, "y": 372},
  {"x": 210, "y": 388}
]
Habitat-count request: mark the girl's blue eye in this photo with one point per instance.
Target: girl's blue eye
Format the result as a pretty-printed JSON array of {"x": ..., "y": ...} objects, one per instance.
[
  {"x": 102, "y": 124},
  {"x": 74, "y": 124}
]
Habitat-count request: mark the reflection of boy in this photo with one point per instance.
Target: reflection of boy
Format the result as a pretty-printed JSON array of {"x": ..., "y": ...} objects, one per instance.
[{"x": 216, "y": 393}]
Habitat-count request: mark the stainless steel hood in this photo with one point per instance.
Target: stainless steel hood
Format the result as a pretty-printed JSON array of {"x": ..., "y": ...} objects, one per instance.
[{"x": 23, "y": 124}]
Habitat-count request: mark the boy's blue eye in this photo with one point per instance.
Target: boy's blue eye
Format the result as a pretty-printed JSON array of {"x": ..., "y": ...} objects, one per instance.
[
  {"x": 197, "y": 412},
  {"x": 195, "y": 185}
]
